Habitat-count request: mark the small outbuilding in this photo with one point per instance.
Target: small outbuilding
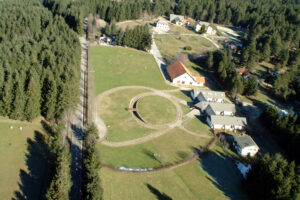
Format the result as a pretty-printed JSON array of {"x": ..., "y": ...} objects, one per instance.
[
  {"x": 162, "y": 25},
  {"x": 245, "y": 145},
  {"x": 177, "y": 19}
]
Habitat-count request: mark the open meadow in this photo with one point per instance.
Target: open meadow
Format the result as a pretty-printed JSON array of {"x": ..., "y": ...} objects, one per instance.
[
  {"x": 22, "y": 160},
  {"x": 170, "y": 46},
  {"x": 132, "y": 142},
  {"x": 116, "y": 66}
]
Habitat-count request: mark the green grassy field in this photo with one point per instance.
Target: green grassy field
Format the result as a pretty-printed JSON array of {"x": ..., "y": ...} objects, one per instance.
[
  {"x": 156, "y": 110},
  {"x": 181, "y": 95},
  {"x": 171, "y": 45},
  {"x": 121, "y": 125},
  {"x": 186, "y": 182},
  {"x": 22, "y": 165},
  {"x": 198, "y": 126},
  {"x": 169, "y": 148},
  {"x": 120, "y": 66}
]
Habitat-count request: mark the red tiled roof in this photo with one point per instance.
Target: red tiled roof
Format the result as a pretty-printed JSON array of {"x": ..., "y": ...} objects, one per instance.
[{"x": 176, "y": 69}]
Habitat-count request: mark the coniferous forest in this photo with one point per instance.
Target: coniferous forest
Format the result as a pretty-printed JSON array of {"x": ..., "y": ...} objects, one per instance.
[
  {"x": 40, "y": 62},
  {"x": 273, "y": 28}
]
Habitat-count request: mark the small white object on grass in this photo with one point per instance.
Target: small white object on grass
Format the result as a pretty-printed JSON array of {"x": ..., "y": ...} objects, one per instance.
[
  {"x": 21, "y": 128},
  {"x": 11, "y": 127}
]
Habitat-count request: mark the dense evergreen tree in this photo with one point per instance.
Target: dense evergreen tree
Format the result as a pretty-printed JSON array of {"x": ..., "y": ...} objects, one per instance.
[
  {"x": 18, "y": 103},
  {"x": 60, "y": 185},
  {"x": 59, "y": 162},
  {"x": 138, "y": 37},
  {"x": 92, "y": 189},
  {"x": 286, "y": 130},
  {"x": 250, "y": 86},
  {"x": 34, "y": 44},
  {"x": 272, "y": 177},
  {"x": 32, "y": 105}
]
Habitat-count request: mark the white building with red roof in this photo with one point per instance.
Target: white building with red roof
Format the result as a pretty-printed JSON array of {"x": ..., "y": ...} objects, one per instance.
[{"x": 180, "y": 75}]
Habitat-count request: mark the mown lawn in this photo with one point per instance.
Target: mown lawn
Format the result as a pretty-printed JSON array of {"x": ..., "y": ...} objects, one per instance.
[
  {"x": 116, "y": 66},
  {"x": 121, "y": 125},
  {"x": 22, "y": 162},
  {"x": 198, "y": 125},
  {"x": 169, "y": 148},
  {"x": 171, "y": 45},
  {"x": 188, "y": 182},
  {"x": 156, "y": 110}
]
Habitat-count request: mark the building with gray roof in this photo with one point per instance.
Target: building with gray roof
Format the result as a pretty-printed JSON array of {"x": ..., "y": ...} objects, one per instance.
[
  {"x": 245, "y": 145},
  {"x": 226, "y": 122}
]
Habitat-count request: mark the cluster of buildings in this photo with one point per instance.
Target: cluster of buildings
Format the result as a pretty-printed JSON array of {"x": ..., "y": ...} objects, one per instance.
[
  {"x": 209, "y": 29},
  {"x": 179, "y": 20},
  {"x": 222, "y": 116}
]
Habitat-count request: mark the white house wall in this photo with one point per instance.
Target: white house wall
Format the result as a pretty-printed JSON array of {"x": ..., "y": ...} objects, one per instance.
[
  {"x": 251, "y": 150},
  {"x": 185, "y": 79},
  {"x": 228, "y": 113}
]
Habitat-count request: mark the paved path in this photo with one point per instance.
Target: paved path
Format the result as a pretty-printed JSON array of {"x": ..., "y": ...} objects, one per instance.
[
  {"x": 159, "y": 61},
  {"x": 77, "y": 128}
]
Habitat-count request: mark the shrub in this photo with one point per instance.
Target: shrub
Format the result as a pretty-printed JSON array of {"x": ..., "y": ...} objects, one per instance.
[{"x": 187, "y": 48}]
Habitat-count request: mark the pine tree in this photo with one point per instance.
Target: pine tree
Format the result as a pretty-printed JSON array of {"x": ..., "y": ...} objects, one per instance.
[
  {"x": 113, "y": 28},
  {"x": 49, "y": 97},
  {"x": 266, "y": 52},
  {"x": 17, "y": 111},
  {"x": 6, "y": 97},
  {"x": 61, "y": 183},
  {"x": 119, "y": 39},
  {"x": 250, "y": 86},
  {"x": 107, "y": 29},
  {"x": 272, "y": 177},
  {"x": 32, "y": 105},
  {"x": 91, "y": 165},
  {"x": 209, "y": 59}
]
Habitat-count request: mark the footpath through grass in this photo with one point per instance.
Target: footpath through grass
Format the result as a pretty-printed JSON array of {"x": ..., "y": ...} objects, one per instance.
[
  {"x": 156, "y": 110},
  {"x": 171, "y": 45},
  {"x": 121, "y": 125},
  {"x": 172, "y": 147},
  {"x": 22, "y": 162},
  {"x": 116, "y": 66},
  {"x": 188, "y": 182}
]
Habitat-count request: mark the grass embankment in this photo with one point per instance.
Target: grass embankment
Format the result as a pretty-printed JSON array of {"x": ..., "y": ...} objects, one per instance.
[
  {"x": 156, "y": 110},
  {"x": 22, "y": 161},
  {"x": 116, "y": 67}
]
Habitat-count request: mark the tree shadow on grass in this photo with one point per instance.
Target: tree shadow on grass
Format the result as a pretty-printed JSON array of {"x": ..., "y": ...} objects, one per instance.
[
  {"x": 33, "y": 180},
  {"x": 157, "y": 193},
  {"x": 223, "y": 174},
  {"x": 151, "y": 155}
]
